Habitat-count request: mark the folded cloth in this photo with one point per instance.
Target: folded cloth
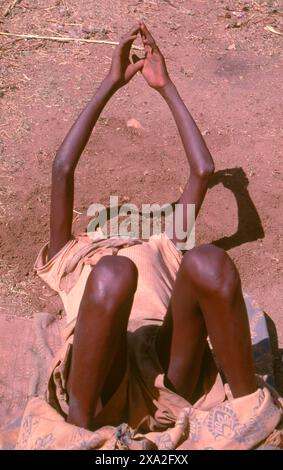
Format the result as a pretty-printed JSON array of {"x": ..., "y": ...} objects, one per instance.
[
  {"x": 154, "y": 416},
  {"x": 144, "y": 414},
  {"x": 27, "y": 346},
  {"x": 43, "y": 427}
]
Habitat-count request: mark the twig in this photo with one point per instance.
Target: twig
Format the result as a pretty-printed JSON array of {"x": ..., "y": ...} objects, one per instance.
[
  {"x": 65, "y": 39},
  {"x": 10, "y": 7},
  {"x": 65, "y": 24},
  {"x": 272, "y": 30}
]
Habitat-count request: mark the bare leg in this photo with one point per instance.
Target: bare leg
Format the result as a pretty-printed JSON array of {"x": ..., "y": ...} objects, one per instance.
[
  {"x": 99, "y": 350},
  {"x": 207, "y": 299}
]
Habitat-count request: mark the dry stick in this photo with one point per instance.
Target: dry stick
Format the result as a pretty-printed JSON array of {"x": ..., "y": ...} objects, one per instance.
[
  {"x": 272, "y": 30},
  {"x": 65, "y": 39},
  {"x": 10, "y": 7}
]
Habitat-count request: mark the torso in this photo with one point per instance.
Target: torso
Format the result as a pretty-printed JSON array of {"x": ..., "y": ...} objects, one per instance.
[{"x": 157, "y": 261}]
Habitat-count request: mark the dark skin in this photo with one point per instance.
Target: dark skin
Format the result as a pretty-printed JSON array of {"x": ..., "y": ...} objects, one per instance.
[{"x": 207, "y": 297}]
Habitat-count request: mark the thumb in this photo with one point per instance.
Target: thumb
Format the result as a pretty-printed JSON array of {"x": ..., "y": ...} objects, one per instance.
[{"x": 134, "y": 68}]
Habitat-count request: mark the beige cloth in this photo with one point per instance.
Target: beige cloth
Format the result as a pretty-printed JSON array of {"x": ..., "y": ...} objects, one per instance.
[
  {"x": 157, "y": 260},
  {"x": 160, "y": 417},
  {"x": 27, "y": 346}
]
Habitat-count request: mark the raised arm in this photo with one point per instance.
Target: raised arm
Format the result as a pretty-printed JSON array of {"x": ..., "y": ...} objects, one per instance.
[
  {"x": 199, "y": 158},
  {"x": 68, "y": 155}
]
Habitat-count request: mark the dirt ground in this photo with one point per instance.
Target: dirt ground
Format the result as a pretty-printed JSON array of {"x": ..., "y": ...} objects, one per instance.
[{"x": 224, "y": 57}]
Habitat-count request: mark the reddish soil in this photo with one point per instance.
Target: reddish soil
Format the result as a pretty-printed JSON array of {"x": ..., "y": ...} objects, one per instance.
[{"x": 227, "y": 67}]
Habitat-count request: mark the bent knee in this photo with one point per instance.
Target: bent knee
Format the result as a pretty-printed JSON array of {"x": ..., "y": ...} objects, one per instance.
[
  {"x": 112, "y": 281},
  {"x": 211, "y": 270}
]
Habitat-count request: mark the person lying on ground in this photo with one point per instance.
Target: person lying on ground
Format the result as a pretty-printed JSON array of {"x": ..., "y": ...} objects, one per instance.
[{"x": 195, "y": 295}]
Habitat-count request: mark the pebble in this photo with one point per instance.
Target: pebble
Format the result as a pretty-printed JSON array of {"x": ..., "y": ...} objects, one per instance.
[{"x": 134, "y": 123}]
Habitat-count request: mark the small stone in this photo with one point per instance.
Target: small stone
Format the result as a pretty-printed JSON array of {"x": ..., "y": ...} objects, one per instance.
[
  {"x": 236, "y": 24},
  {"x": 232, "y": 47},
  {"x": 134, "y": 123}
]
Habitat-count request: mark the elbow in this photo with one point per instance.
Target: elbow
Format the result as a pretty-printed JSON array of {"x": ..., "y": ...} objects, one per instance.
[
  {"x": 206, "y": 171},
  {"x": 61, "y": 167}
]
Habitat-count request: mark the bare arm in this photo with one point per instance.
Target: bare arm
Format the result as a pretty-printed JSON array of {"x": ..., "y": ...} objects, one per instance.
[
  {"x": 64, "y": 165},
  {"x": 199, "y": 158},
  {"x": 68, "y": 155}
]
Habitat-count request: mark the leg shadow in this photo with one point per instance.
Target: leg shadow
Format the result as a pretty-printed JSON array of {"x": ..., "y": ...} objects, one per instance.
[{"x": 277, "y": 354}]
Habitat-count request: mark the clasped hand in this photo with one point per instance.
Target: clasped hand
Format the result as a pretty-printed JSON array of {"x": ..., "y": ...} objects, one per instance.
[{"x": 152, "y": 66}]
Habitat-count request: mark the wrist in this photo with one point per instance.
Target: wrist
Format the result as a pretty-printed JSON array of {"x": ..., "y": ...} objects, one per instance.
[
  {"x": 167, "y": 89},
  {"x": 110, "y": 84}
]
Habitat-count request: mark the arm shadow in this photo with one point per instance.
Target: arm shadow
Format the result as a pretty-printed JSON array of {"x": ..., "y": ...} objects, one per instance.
[{"x": 249, "y": 224}]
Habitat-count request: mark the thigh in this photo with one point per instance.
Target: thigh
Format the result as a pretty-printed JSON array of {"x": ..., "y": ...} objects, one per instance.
[
  {"x": 207, "y": 370},
  {"x": 99, "y": 354},
  {"x": 117, "y": 371},
  {"x": 181, "y": 343},
  {"x": 183, "y": 322}
]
